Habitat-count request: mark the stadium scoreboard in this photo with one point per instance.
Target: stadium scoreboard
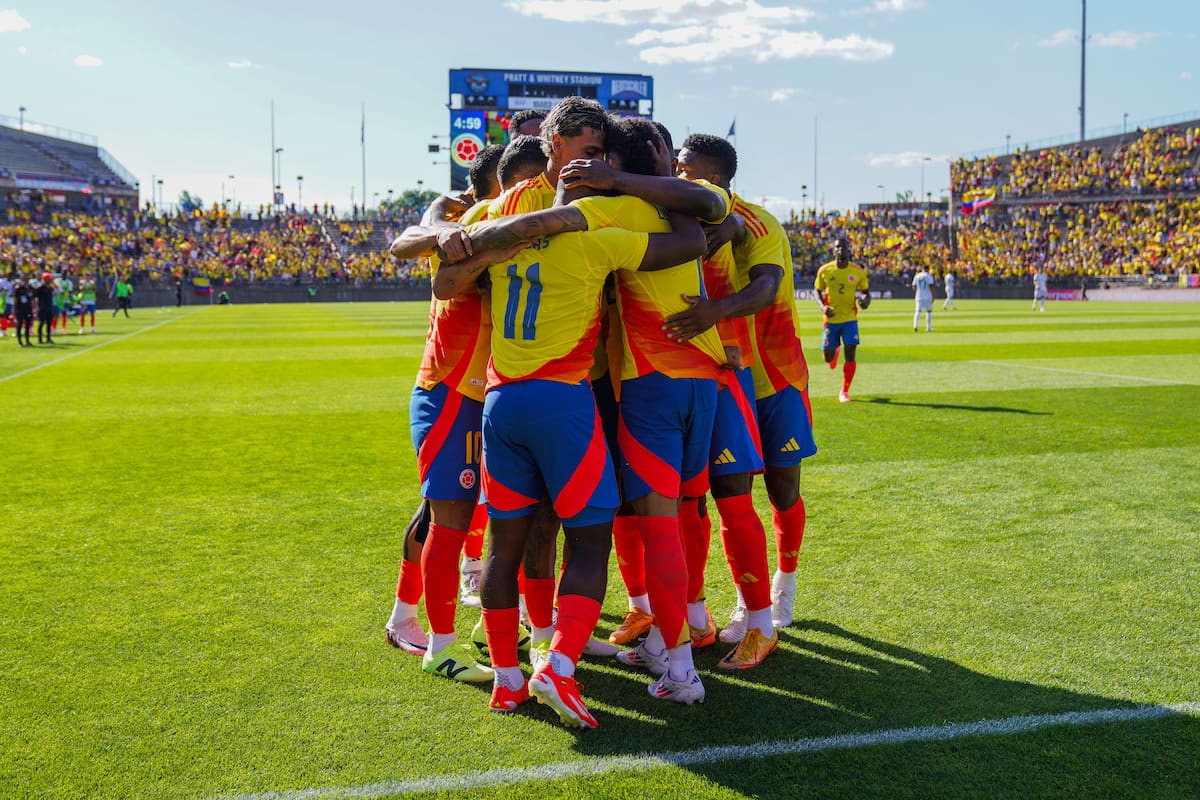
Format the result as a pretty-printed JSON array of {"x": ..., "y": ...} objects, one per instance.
[{"x": 482, "y": 101}]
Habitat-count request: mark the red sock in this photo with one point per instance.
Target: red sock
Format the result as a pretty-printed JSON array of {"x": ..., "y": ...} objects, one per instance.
[
  {"x": 577, "y": 618},
  {"x": 473, "y": 546},
  {"x": 696, "y": 533},
  {"x": 539, "y": 601},
  {"x": 666, "y": 577},
  {"x": 789, "y": 534},
  {"x": 631, "y": 555},
  {"x": 409, "y": 584},
  {"x": 848, "y": 370},
  {"x": 745, "y": 542},
  {"x": 439, "y": 570},
  {"x": 500, "y": 626}
]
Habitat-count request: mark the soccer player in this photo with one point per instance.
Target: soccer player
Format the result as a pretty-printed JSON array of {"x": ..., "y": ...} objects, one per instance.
[
  {"x": 446, "y": 415},
  {"x": 526, "y": 122},
  {"x": 922, "y": 284},
  {"x": 950, "y": 281},
  {"x": 1039, "y": 288},
  {"x": 62, "y": 300},
  {"x": 735, "y": 295},
  {"x": 546, "y": 316},
  {"x": 87, "y": 300},
  {"x": 574, "y": 129},
  {"x": 668, "y": 393},
  {"x": 839, "y": 283}
]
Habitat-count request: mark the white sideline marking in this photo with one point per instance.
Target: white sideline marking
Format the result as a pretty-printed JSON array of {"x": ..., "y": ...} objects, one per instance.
[
  {"x": 708, "y": 755},
  {"x": 1079, "y": 372},
  {"x": 93, "y": 347}
]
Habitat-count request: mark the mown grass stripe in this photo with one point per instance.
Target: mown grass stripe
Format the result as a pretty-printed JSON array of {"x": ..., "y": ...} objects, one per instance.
[{"x": 492, "y": 778}]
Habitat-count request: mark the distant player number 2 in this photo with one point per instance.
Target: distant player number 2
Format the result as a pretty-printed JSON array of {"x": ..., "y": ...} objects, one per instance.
[{"x": 533, "y": 298}]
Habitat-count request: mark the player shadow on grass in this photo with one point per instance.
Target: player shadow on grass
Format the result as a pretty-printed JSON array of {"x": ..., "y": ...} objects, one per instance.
[
  {"x": 887, "y": 401},
  {"x": 826, "y": 681}
]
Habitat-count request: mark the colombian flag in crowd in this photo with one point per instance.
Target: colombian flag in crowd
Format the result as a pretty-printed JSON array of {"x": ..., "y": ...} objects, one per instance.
[
  {"x": 977, "y": 199},
  {"x": 201, "y": 285}
]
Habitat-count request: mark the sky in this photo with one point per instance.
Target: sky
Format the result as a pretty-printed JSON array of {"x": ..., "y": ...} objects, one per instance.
[{"x": 182, "y": 92}]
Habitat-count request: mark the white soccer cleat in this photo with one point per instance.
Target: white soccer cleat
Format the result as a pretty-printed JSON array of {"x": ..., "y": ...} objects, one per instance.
[
  {"x": 736, "y": 629},
  {"x": 783, "y": 602},
  {"x": 641, "y": 658},
  {"x": 688, "y": 691},
  {"x": 407, "y": 636},
  {"x": 844, "y": 397}
]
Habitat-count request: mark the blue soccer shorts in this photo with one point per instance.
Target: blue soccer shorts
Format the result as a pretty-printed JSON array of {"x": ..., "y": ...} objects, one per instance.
[
  {"x": 544, "y": 438},
  {"x": 446, "y": 431},
  {"x": 665, "y": 434},
  {"x": 834, "y": 334},
  {"x": 785, "y": 426},
  {"x": 736, "y": 446}
]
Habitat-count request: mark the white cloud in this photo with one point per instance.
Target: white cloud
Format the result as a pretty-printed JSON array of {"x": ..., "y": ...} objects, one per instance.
[
  {"x": 653, "y": 12},
  {"x": 1065, "y": 36},
  {"x": 709, "y": 31},
  {"x": 781, "y": 95},
  {"x": 21, "y": 50},
  {"x": 909, "y": 158},
  {"x": 1127, "y": 39},
  {"x": 1185, "y": 76},
  {"x": 887, "y": 7},
  {"x": 243, "y": 63},
  {"x": 11, "y": 21},
  {"x": 88, "y": 61}
]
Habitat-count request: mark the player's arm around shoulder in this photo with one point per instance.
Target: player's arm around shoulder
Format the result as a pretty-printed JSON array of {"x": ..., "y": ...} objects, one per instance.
[{"x": 684, "y": 243}]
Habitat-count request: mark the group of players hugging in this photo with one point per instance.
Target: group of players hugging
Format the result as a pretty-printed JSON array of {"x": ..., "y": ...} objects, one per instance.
[{"x": 612, "y": 337}]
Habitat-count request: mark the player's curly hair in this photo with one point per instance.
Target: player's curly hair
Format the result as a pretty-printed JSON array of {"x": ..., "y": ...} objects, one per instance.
[
  {"x": 719, "y": 151},
  {"x": 626, "y": 139},
  {"x": 523, "y": 116},
  {"x": 666, "y": 135},
  {"x": 483, "y": 170},
  {"x": 523, "y": 151},
  {"x": 571, "y": 116}
]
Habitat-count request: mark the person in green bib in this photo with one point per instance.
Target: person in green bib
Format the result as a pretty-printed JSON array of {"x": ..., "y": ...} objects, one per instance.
[
  {"x": 87, "y": 301},
  {"x": 124, "y": 296}
]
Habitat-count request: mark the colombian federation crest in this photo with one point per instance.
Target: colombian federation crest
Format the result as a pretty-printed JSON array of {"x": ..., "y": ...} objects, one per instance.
[{"x": 466, "y": 479}]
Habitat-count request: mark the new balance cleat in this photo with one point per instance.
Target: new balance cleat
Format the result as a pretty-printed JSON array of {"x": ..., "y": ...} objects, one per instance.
[
  {"x": 407, "y": 636},
  {"x": 561, "y": 694},
  {"x": 596, "y": 647},
  {"x": 783, "y": 603},
  {"x": 641, "y": 658},
  {"x": 479, "y": 638},
  {"x": 751, "y": 651},
  {"x": 687, "y": 691},
  {"x": 505, "y": 699},
  {"x": 736, "y": 629},
  {"x": 844, "y": 397},
  {"x": 635, "y": 626},
  {"x": 454, "y": 663},
  {"x": 702, "y": 637},
  {"x": 468, "y": 588}
]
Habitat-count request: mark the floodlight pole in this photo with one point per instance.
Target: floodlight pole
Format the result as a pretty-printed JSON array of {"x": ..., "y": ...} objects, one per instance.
[{"x": 1082, "y": 71}]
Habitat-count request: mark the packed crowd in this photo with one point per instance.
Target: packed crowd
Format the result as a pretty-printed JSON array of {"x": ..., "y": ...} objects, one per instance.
[
  {"x": 153, "y": 249},
  {"x": 1153, "y": 161}
]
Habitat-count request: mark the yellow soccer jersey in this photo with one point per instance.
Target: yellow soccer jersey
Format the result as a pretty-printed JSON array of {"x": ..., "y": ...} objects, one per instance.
[
  {"x": 778, "y": 356},
  {"x": 533, "y": 194},
  {"x": 546, "y": 304},
  {"x": 839, "y": 287},
  {"x": 645, "y": 299}
]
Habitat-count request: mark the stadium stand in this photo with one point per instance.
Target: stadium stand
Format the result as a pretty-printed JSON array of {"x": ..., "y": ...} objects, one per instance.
[{"x": 66, "y": 166}]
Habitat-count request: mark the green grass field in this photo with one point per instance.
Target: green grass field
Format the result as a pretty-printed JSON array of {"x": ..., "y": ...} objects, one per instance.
[{"x": 202, "y": 519}]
